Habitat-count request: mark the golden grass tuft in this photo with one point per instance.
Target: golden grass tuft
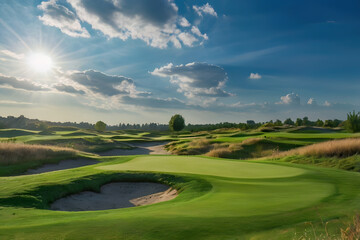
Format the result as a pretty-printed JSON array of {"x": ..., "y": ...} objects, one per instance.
[
  {"x": 219, "y": 152},
  {"x": 13, "y": 153},
  {"x": 335, "y": 148}
]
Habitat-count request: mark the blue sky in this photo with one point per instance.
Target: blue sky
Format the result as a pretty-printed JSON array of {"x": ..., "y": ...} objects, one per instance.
[{"x": 211, "y": 61}]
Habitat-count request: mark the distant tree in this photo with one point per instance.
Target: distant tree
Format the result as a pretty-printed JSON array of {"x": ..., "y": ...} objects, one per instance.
[
  {"x": 306, "y": 121},
  {"x": 299, "y": 122},
  {"x": 329, "y": 123},
  {"x": 289, "y": 121},
  {"x": 336, "y": 122},
  {"x": 176, "y": 123},
  {"x": 353, "y": 122},
  {"x": 319, "y": 123},
  {"x": 250, "y": 122},
  {"x": 278, "y": 122},
  {"x": 100, "y": 126}
]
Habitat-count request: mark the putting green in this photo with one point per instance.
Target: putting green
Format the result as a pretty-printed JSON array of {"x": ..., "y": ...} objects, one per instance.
[{"x": 206, "y": 166}]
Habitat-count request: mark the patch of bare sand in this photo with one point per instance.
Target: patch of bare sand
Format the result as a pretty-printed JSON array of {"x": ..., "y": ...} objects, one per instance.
[
  {"x": 64, "y": 164},
  {"x": 116, "y": 195},
  {"x": 140, "y": 148}
]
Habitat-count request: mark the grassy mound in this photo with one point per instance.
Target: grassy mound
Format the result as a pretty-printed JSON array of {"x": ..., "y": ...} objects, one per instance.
[
  {"x": 14, "y": 153},
  {"x": 335, "y": 148}
]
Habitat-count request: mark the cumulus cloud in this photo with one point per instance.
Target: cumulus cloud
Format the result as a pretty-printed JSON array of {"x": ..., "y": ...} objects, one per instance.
[
  {"x": 184, "y": 22},
  {"x": 290, "y": 98},
  {"x": 312, "y": 101},
  {"x": 20, "y": 84},
  {"x": 255, "y": 76},
  {"x": 196, "y": 79},
  {"x": 61, "y": 17},
  {"x": 156, "y": 22},
  {"x": 68, "y": 89},
  {"x": 205, "y": 9},
  {"x": 151, "y": 102},
  {"x": 12, "y": 54},
  {"x": 195, "y": 30},
  {"x": 104, "y": 84}
]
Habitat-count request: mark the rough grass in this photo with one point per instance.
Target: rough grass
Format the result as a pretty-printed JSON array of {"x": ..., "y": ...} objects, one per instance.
[
  {"x": 335, "y": 148},
  {"x": 14, "y": 153}
]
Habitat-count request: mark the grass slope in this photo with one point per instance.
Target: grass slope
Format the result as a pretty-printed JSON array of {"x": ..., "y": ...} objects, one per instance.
[{"x": 219, "y": 199}]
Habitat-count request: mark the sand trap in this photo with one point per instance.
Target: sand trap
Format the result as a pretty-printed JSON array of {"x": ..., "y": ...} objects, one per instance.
[
  {"x": 64, "y": 164},
  {"x": 116, "y": 195},
  {"x": 141, "y": 148}
]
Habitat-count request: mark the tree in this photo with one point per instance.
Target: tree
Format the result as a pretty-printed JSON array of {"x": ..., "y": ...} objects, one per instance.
[
  {"x": 319, "y": 123},
  {"x": 278, "y": 122},
  {"x": 353, "y": 122},
  {"x": 329, "y": 123},
  {"x": 100, "y": 126},
  {"x": 289, "y": 121},
  {"x": 176, "y": 123},
  {"x": 306, "y": 121},
  {"x": 299, "y": 122}
]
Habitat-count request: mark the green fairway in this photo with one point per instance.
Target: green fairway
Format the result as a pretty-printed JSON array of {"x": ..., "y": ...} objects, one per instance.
[
  {"x": 205, "y": 166},
  {"x": 219, "y": 199}
]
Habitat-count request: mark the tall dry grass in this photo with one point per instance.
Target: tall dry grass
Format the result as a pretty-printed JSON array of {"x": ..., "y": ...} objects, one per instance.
[
  {"x": 13, "y": 153},
  {"x": 335, "y": 148},
  {"x": 225, "y": 151}
]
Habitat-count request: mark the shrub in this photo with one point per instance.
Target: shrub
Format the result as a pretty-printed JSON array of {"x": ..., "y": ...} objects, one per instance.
[
  {"x": 353, "y": 122},
  {"x": 100, "y": 126},
  {"x": 176, "y": 123}
]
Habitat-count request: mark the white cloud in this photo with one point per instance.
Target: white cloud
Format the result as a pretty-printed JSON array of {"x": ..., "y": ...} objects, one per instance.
[
  {"x": 184, "y": 22},
  {"x": 106, "y": 85},
  {"x": 156, "y": 22},
  {"x": 312, "y": 101},
  {"x": 205, "y": 9},
  {"x": 255, "y": 76},
  {"x": 12, "y": 54},
  {"x": 196, "y": 79},
  {"x": 188, "y": 39},
  {"x": 290, "y": 98},
  {"x": 195, "y": 30},
  {"x": 23, "y": 84},
  {"x": 61, "y": 17}
]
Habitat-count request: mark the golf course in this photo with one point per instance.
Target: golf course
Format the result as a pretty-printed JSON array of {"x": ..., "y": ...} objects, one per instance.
[{"x": 216, "y": 198}]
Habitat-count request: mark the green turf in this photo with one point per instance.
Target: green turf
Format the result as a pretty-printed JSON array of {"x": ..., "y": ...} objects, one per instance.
[{"x": 219, "y": 199}]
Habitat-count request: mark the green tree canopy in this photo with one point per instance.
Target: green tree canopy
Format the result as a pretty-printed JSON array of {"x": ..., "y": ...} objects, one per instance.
[
  {"x": 353, "y": 122},
  {"x": 100, "y": 126},
  {"x": 176, "y": 123}
]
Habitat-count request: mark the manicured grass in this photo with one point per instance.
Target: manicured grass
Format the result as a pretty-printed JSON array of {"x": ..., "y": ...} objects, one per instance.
[
  {"x": 219, "y": 199},
  {"x": 205, "y": 166}
]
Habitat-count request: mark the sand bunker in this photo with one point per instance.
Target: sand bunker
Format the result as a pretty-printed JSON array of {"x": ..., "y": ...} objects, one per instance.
[
  {"x": 64, "y": 164},
  {"x": 116, "y": 195},
  {"x": 141, "y": 148}
]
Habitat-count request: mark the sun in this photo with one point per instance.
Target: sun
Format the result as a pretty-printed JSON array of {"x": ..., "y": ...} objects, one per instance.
[{"x": 40, "y": 62}]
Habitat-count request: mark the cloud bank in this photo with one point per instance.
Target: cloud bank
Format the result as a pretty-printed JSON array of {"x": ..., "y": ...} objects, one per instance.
[
  {"x": 156, "y": 22},
  {"x": 205, "y": 9},
  {"x": 196, "y": 79},
  {"x": 61, "y": 17}
]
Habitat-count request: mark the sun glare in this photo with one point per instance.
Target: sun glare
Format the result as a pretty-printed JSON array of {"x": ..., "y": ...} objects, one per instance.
[{"x": 40, "y": 62}]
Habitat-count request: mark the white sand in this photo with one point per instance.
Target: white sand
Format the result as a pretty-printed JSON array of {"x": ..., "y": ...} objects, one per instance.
[
  {"x": 141, "y": 148},
  {"x": 64, "y": 164},
  {"x": 116, "y": 195}
]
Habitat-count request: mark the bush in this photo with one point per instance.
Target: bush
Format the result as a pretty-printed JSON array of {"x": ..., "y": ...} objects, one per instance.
[
  {"x": 100, "y": 126},
  {"x": 353, "y": 122},
  {"x": 176, "y": 123}
]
